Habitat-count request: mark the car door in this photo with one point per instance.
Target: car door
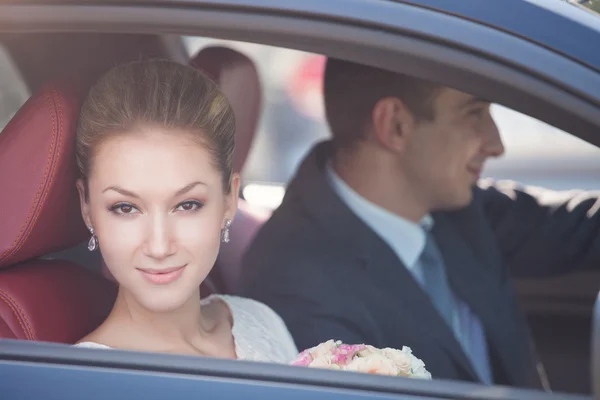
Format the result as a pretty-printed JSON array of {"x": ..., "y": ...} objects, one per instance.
[{"x": 51, "y": 371}]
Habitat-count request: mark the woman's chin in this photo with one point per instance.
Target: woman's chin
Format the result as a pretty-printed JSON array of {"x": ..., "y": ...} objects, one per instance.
[
  {"x": 164, "y": 300},
  {"x": 164, "y": 297}
]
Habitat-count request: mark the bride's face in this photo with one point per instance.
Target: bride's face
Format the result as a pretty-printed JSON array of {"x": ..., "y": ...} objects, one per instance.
[{"x": 157, "y": 205}]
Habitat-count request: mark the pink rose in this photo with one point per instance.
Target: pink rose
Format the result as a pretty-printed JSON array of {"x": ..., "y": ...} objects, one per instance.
[
  {"x": 303, "y": 360},
  {"x": 345, "y": 352}
]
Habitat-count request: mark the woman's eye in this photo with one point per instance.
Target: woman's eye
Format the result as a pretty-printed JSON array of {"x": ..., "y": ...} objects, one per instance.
[
  {"x": 189, "y": 206},
  {"x": 123, "y": 209}
]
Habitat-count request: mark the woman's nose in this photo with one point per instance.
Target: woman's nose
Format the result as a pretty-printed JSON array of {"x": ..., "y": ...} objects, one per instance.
[{"x": 159, "y": 242}]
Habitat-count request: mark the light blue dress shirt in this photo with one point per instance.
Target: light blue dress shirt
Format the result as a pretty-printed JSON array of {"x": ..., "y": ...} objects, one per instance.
[{"x": 407, "y": 240}]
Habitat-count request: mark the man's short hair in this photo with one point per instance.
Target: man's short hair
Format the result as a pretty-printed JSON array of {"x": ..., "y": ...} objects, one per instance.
[{"x": 352, "y": 90}]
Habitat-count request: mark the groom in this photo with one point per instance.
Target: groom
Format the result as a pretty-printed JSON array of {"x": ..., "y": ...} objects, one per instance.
[{"x": 385, "y": 236}]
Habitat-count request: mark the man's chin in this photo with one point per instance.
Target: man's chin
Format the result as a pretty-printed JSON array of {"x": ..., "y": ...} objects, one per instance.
[
  {"x": 457, "y": 202},
  {"x": 466, "y": 198}
]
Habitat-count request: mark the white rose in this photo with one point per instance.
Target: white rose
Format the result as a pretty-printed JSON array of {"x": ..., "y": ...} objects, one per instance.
[
  {"x": 320, "y": 362},
  {"x": 323, "y": 349},
  {"x": 400, "y": 359},
  {"x": 368, "y": 351},
  {"x": 417, "y": 365},
  {"x": 373, "y": 364}
]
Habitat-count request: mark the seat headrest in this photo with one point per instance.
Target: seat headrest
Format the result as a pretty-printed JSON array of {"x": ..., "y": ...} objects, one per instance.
[
  {"x": 39, "y": 204},
  {"x": 238, "y": 78}
]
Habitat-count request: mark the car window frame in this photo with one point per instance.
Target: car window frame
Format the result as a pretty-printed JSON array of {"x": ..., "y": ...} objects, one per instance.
[
  {"x": 62, "y": 365},
  {"x": 390, "y": 35}
]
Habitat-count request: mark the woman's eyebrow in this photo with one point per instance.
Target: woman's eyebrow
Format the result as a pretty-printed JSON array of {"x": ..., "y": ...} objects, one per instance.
[
  {"x": 120, "y": 190},
  {"x": 189, "y": 187},
  {"x": 129, "y": 193}
]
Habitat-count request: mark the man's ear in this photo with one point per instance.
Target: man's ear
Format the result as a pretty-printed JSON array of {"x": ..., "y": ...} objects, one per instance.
[
  {"x": 392, "y": 123},
  {"x": 232, "y": 198},
  {"x": 83, "y": 200}
]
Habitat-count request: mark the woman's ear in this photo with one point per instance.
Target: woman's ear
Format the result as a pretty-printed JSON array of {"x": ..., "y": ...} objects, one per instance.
[
  {"x": 83, "y": 200},
  {"x": 232, "y": 198}
]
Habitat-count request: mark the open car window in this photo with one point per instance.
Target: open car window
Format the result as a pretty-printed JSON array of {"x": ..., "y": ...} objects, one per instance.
[
  {"x": 537, "y": 154},
  {"x": 13, "y": 90},
  {"x": 592, "y": 5},
  {"x": 293, "y": 120}
]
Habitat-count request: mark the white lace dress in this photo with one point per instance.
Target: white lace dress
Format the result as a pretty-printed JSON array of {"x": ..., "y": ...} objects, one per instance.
[{"x": 258, "y": 332}]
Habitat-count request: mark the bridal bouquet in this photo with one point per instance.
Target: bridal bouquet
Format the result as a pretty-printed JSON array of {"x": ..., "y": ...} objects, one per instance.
[{"x": 363, "y": 358}]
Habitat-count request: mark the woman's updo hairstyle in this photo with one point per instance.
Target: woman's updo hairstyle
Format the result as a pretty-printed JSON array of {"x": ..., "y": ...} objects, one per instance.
[{"x": 162, "y": 94}]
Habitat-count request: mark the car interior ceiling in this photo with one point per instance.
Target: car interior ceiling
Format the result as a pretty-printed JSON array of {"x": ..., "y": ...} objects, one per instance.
[{"x": 562, "y": 305}]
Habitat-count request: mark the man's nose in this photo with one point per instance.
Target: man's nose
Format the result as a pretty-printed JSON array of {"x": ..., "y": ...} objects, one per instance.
[
  {"x": 159, "y": 242},
  {"x": 494, "y": 147}
]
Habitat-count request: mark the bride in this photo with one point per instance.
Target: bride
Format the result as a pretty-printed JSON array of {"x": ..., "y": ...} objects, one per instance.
[{"x": 155, "y": 146}]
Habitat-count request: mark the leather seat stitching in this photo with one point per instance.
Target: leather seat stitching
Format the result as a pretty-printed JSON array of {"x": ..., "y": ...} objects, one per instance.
[
  {"x": 20, "y": 316},
  {"x": 16, "y": 245},
  {"x": 58, "y": 143}
]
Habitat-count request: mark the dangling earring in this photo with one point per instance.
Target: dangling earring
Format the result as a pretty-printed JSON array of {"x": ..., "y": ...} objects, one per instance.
[
  {"x": 225, "y": 231},
  {"x": 93, "y": 243}
]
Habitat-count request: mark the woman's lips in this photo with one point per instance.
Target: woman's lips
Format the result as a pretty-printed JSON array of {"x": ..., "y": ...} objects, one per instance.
[{"x": 161, "y": 276}]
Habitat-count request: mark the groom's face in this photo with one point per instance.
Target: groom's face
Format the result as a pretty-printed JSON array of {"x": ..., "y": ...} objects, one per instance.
[{"x": 444, "y": 156}]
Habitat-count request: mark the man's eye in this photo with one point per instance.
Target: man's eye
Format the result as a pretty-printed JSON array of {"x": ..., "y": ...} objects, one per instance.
[
  {"x": 477, "y": 112},
  {"x": 189, "y": 206},
  {"x": 123, "y": 209},
  {"x": 480, "y": 111}
]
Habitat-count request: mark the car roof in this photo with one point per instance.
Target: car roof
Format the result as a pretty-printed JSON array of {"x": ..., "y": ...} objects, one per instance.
[
  {"x": 545, "y": 22},
  {"x": 480, "y": 47},
  {"x": 557, "y": 24}
]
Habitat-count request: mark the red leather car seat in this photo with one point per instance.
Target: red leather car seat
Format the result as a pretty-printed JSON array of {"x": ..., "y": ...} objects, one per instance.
[
  {"x": 45, "y": 300},
  {"x": 238, "y": 78}
]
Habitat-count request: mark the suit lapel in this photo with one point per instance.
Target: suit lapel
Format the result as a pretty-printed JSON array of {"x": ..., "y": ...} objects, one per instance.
[
  {"x": 391, "y": 277},
  {"x": 480, "y": 281},
  {"x": 470, "y": 277}
]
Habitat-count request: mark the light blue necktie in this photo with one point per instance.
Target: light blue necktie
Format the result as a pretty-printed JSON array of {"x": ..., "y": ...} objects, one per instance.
[{"x": 435, "y": 282}]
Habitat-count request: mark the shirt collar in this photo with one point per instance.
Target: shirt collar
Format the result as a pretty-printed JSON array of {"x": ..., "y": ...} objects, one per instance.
[{"x": 406, "y": 238}]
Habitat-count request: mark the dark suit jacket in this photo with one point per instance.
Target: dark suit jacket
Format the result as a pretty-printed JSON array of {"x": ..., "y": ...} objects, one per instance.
[{"x": 331, "y": 277}]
